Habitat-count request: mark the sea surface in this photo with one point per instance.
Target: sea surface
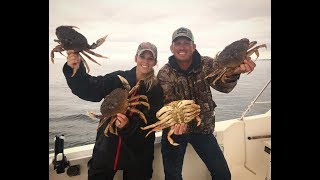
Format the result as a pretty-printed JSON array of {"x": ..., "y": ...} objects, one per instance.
[{"x": 67, "y": 112}]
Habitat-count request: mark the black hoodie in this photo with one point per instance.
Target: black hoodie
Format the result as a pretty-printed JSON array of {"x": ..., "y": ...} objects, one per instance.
[{"x": 131, "y": 149}]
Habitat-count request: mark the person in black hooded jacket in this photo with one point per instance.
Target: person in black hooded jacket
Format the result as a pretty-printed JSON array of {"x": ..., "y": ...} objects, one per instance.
[{"x": 130, "y": 150}]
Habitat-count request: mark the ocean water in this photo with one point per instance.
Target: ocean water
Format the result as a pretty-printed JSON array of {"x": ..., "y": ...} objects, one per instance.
[{"x": 67, "y": 112}]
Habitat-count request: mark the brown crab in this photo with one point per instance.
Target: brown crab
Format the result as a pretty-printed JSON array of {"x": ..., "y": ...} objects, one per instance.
[
  {"x": 118, "y": 102},
  {"x": 181, "y": 111},
  {"x": 70, "y": 39},
  {"x": 232, "y": 56}
]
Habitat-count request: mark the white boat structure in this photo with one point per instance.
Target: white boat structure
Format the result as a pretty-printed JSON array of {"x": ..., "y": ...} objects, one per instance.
[{"x": 245, "y": 142}]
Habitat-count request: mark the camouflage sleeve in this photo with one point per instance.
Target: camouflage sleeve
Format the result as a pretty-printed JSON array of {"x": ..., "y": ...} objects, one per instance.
[
  {"x": 220, "y": 86},
  {"x": 167, "y": 84}
]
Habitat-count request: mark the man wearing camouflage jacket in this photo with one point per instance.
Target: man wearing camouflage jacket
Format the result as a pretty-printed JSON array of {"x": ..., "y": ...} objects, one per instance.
[{"x": 183, "y": 77}]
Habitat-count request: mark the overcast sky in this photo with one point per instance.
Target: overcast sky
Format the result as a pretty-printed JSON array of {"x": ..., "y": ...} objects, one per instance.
[{"x": 214, "y": 23}]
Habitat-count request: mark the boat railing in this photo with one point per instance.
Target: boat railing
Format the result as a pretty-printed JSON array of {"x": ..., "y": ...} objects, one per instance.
[
  {"x": 244, "y": 131},
  {"x": 254, "y": 101}
]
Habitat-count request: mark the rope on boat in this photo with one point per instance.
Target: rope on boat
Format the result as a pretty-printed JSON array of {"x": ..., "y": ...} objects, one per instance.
[{"x": 251, "y": 104}]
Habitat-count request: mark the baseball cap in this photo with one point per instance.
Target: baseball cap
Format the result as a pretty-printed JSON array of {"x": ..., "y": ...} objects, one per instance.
[
  {"x": 147, "y": 46},
  {"x": 182, "y": 32}
]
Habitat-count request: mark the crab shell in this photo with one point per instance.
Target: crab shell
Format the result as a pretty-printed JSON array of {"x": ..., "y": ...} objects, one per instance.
[
  {"x": 70, "y": 39},
  {"x": 234, "y": 54},
  {"x": 118, "y": 101},
  {"x": 115, "y": 102}
]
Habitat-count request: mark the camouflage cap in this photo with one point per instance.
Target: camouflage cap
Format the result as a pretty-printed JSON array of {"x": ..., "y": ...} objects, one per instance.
[
  {"x": 182, "y": 32},
  {"x": 147, "y": 46}
]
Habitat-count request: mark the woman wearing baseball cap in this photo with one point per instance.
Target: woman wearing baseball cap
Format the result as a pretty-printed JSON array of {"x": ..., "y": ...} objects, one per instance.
[{"x": 129, "y": 150}]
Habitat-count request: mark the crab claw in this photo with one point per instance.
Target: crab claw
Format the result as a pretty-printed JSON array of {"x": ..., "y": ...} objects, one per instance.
[
  {"x": 124, "y": 82},
  {"x": 98, "y": 42}
]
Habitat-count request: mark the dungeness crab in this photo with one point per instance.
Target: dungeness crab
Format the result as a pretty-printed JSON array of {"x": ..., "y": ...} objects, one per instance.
[
  {"x": 118, "y": 102},
  {"x": 70, "y": 39},
  {"x": 181, "y": 111},
  {"x": 232, "y": 56}
]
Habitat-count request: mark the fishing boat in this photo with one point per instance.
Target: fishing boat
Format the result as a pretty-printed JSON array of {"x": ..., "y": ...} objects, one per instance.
[{"x": 245, "y": 142}]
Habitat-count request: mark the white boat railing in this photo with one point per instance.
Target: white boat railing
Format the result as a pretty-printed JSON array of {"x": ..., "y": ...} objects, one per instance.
[
  {"x": 255, "y": 99},
  {"x": 252, "y": 137}
]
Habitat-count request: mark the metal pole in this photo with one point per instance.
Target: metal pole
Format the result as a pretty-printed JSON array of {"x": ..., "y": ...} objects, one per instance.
[{"x": 251, "y": 104}]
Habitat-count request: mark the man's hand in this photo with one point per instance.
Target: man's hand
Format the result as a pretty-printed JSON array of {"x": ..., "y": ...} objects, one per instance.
[
  {"x": 180, "y": 128},
  {"x": 246, "y": 67}
]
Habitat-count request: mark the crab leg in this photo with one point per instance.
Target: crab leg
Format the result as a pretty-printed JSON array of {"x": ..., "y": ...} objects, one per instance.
[
  {"x": 189, "y": 118},
  {"x": 138, "y": 97},
  {"x": 90, "y": 58},
  {"x": 215, "y": 72},
  {"x": 98, "y": 42},
  {"x": 59, "y": 49},
  {"x": 113, "y": 130},
  {"x": 103, "y": 121},
  {"x": 251, "y": 44},
  {"x": 95, "y": 54},
  {"x": 157, "y": 123},
  {"x": 220, "y": 75},
  {"x": 163, "y": 110},
  {"x": 192, "y": 114},
  {"x": 93, "y": 115},
  {"x": 185, "y": 102},
  {"x": 158, "y": 128},
  {"x": 198, "y": 120},
  {"x": 255, "y": 50},
  {"x": 134, "y": 88},
  {"x": 191, "y": 108},
  {"x": 140, "y": 102},
  {"x": 170, "y": 139},
  {"x": 109, "y": 124},
  {"x": 141, "y": 115}
]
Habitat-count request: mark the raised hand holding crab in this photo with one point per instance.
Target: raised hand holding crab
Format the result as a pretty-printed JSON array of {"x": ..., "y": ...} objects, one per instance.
[
  {"x": 70, "y": 39},
  {"x": 235, "y": 58}
]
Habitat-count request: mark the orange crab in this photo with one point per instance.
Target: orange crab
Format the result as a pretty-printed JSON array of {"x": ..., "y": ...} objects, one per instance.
[
  {"x": 232, "y": 56},
  {"x": 118, "y": 102},
  {"x": 70, "y": 39}
]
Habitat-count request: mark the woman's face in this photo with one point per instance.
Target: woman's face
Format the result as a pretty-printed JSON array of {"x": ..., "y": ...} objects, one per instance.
[{"x": 145, "y": 62}]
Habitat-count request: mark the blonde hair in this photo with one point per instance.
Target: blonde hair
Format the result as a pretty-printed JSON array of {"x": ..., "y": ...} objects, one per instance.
[{"x": 150, "y": 80}]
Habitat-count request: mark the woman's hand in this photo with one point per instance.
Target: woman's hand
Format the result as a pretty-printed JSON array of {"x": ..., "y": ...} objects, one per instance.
[
  {"x": 73, "y": 59},
  {"x": 122, "y": 120}
]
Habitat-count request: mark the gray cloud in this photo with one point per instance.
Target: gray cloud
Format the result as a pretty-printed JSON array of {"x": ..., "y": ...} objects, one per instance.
[{"x": 215, "y": 23}]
